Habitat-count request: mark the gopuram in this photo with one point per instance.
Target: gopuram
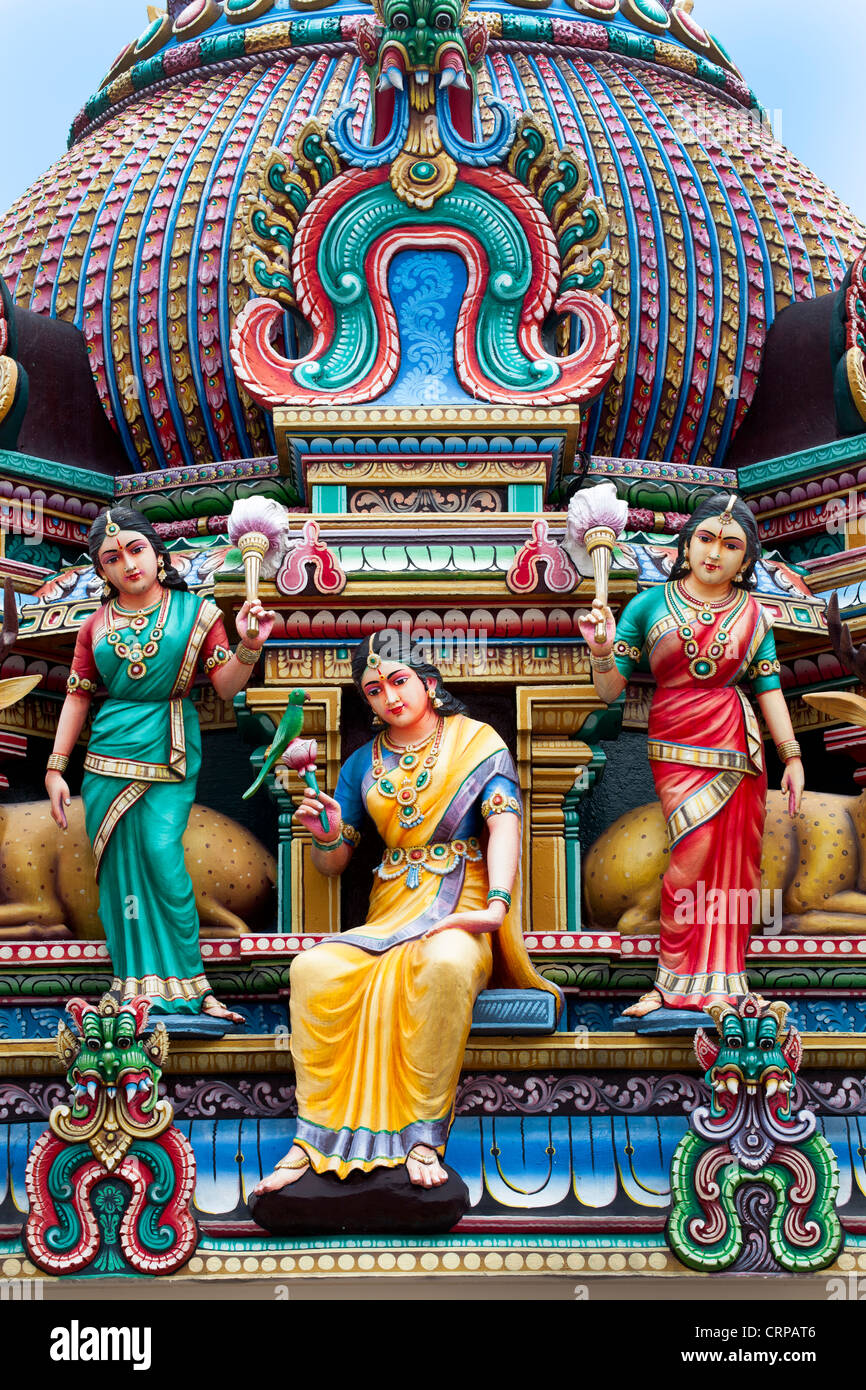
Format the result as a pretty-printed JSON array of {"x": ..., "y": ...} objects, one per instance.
[{"x": 490, "y": 369}]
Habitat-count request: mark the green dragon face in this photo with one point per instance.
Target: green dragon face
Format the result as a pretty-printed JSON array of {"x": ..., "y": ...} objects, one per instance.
[
  {"x": 420, "y": 29},
  {"x": 753, "y": 1051},
  {"x": 110, "y": 1059}
]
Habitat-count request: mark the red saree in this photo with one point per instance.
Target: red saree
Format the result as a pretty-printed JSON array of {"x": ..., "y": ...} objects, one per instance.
[{"x": 707, "y": 762}]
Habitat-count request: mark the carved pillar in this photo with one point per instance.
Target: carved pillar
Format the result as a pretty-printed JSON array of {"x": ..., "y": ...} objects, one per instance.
[
  {"x": 307, "y": 900},
  {"x": 585, "y": 780},
  {"x": 551, "y": 765}
]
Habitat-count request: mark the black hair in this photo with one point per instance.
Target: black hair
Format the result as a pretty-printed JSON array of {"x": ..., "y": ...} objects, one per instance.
[
  {"x": 715, "y": 506},
  {"x": 399, "y": 646},
  {"x": 128, "y": 519}
]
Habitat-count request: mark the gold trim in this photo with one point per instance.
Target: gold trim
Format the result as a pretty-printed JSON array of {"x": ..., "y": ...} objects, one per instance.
[
  {"x": 162, "y": 987},
  {"x": 703, "y": 804},
  {"x": 506, "y": 803},
  {"x": 204, "y": 622},
  {"x": 707, "y": 982},
  {"x": 128, "y": 767},
  {"x": 358, "y": 472},
  {"x": 125, "y": 798},
  {"x": 265, "y": 1053},
  {"x": 661, "y": 752}
]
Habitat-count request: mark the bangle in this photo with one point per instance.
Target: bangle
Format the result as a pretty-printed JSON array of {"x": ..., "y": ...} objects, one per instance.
[
  {"x": 328, "y": 844},
  {"x": 245, "y": 655},
  {"x": 501, "y": 893},
  {"x": 789, "y": 748},
  {"x": 602, "y": 663},
  {"x": 58, "y": 762}
]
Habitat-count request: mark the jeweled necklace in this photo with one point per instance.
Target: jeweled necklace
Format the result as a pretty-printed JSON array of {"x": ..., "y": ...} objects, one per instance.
[
  {"x": 703, "y": 667},
  {"x": 134, "y": 652},
  {"x": 406, "y": 795}
]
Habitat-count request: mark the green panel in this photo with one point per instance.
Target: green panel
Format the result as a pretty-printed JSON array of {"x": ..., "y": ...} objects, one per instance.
[
  {"x": 525, "y": 497},
  {"x": 322, "y": 29},
  {"x": 806, "y": 463},
  {"x": 330, "y": 497},
  {"x": 61, "y": 475}
]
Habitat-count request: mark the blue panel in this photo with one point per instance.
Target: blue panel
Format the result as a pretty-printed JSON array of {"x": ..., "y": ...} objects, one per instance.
[
  {"x": 594, "y": 1162},
  {"x": 514, "y": 1011},
  {"x": 265, "y": 1143},
  {"x": 465, "y": 1153},
  {"x": 427, "y": 289},
  {"x": 836, "y": 1130},
  {"x": 645, "y": 1146},
  {"x": 527, "y": 1163},
  {"x": 21, "y": 1141},
  {"x": 215, "y": 1144}
]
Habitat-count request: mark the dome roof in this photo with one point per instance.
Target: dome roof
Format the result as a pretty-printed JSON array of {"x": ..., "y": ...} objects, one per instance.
[{"x": 135, "y": 234}]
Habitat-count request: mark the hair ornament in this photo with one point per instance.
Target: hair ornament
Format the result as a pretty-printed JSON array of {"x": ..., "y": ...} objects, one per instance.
[
  {"x": 727, "y": 515},
  {"x": 111, "y": 527}
]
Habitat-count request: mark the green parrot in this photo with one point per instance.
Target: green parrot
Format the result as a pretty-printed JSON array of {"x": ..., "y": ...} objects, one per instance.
[{"x": 290, "y": 726}]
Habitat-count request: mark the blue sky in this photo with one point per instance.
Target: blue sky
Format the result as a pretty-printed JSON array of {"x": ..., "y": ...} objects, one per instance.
[{"x": 804, "y": 60}]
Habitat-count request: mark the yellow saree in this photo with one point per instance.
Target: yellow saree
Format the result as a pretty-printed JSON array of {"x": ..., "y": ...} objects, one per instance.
[{"x": 380, "y": 1016}]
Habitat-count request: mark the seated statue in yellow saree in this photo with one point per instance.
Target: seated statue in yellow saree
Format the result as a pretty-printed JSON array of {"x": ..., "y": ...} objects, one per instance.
[{"x": 381, "y": 1014}]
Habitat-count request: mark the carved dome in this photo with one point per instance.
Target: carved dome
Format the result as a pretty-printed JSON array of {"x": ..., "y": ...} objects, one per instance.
[{"x": 135, "y": 234}]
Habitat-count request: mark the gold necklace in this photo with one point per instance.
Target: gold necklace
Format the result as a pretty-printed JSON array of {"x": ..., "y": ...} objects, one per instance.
[
  {"x": 410, "y": 747},
  {"x": 710, "y": 604},
  {"x": 406, "y": 795},
  {"x": 134, "y": 652},
  {"x": 703, "y": 667}
]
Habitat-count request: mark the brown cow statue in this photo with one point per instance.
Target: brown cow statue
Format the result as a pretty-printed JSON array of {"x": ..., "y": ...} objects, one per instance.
[{"x": 48, "y": 888}]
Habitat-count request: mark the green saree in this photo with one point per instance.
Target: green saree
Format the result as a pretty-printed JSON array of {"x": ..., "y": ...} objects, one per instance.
[{"x": 140, "y": 777}]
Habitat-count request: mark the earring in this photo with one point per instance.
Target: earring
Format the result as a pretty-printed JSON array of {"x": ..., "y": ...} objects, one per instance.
[
  {"x": 738, "y": 577},
  {"x": 377, "y": 722},
  {"x": 686, "y": 565},
  {"x": 437, "y": 703},
  {"x": 160, "y": 570},
  {"x": 106, "y": 589}
]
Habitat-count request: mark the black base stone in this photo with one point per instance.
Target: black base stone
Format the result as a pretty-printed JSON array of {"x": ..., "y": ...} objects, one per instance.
[{"x": 382, "y": 1202}]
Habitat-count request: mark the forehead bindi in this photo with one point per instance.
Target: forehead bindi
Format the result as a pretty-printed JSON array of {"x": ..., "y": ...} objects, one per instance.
[
  {"x": 113, "y": 545},
  {"x": 387, "y": 671},
  {"x": 732, "y": 531}
]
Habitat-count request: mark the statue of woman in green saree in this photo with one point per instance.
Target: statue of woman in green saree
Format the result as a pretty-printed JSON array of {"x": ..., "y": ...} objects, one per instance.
[{"x": 145, "y": 645}]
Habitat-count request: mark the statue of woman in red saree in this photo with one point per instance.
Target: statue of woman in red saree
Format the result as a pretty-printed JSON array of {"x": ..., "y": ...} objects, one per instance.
[{"x": 704, "y": 633}]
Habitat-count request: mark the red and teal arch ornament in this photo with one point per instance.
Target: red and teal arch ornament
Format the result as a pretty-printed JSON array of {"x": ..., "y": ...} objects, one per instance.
[{"x": 351, "y": 224}]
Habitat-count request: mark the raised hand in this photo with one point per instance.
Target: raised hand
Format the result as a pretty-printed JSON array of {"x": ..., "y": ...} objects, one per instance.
[
  {"x": 266, "y": 619},
  {"x": 599, "y": 613}
]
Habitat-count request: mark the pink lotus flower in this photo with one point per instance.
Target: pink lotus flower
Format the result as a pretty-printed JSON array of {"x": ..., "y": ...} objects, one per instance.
[{"x": 301, "y": 755}]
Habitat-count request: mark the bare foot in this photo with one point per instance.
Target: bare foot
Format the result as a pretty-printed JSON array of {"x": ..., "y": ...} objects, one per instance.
[
  {"x": 424, "y": 1168},
  {"x": 647, "y": 1004},
  {"x": 214, "y": 1009},
  {"x": 283, "y": 1177}
]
